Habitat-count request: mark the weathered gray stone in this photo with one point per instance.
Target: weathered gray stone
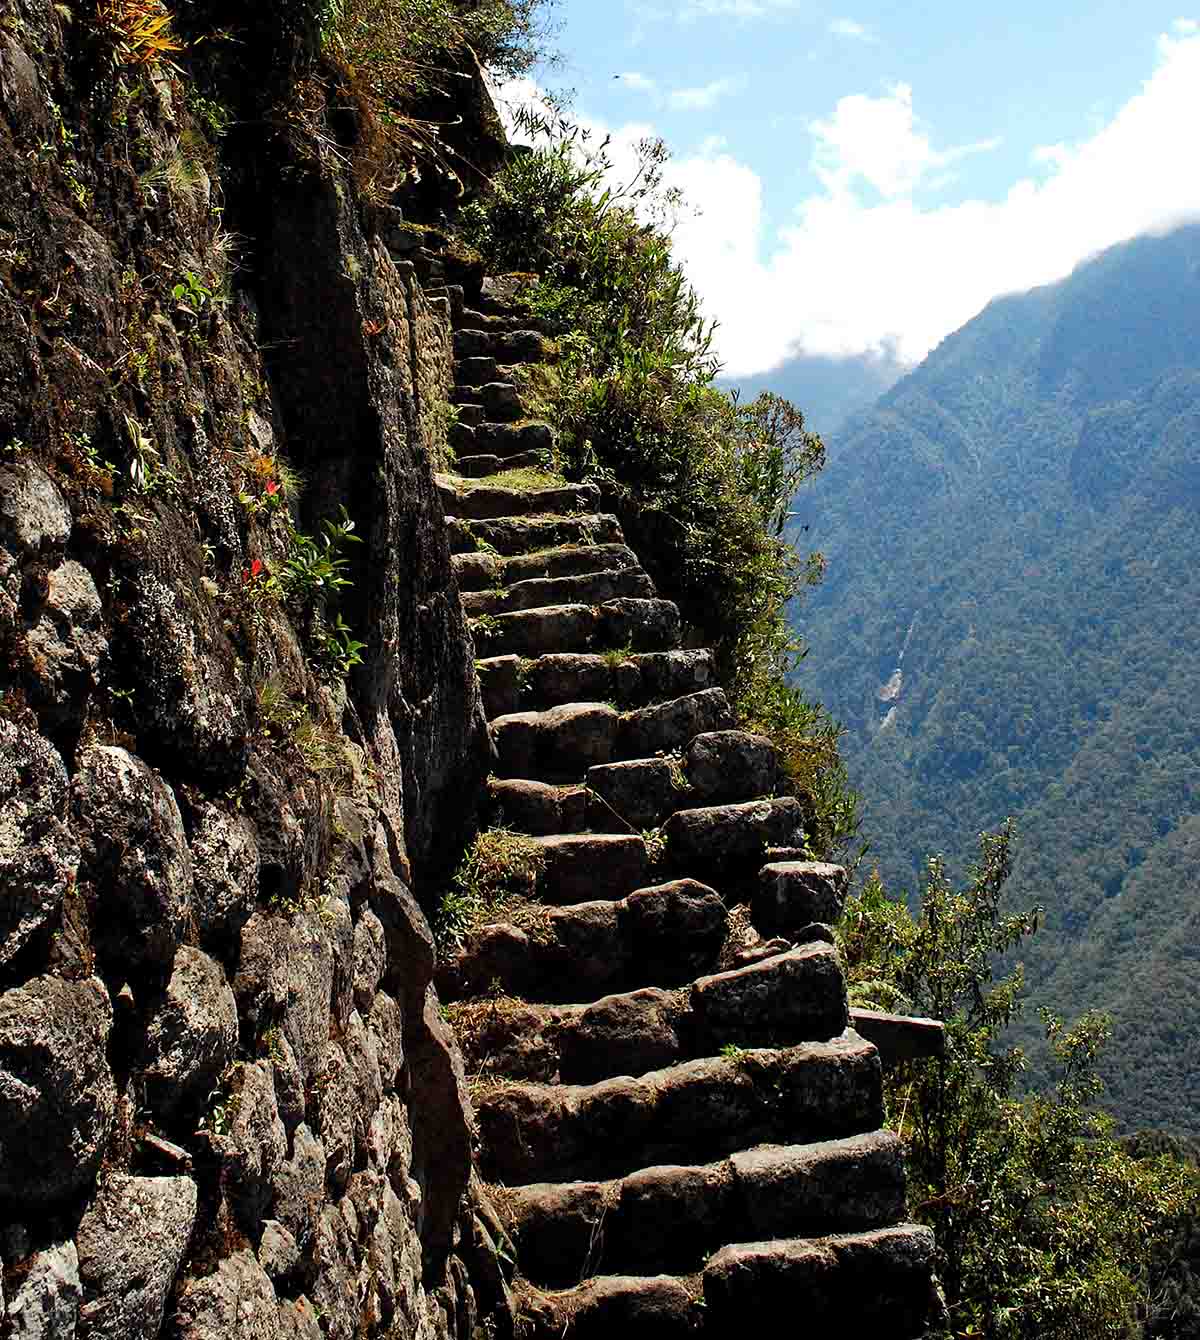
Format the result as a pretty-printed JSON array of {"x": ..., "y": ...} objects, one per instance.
[
  {"x": 35, "y": 521},
  {"x": 337, "y": 1111},
  {"x": 791, "y": 894},
  {"x": 676, "y": 930},
  {"x": 297, "y": 1186},
  {"x": 561, "y": 743},
  {"x": 731, "y": 765},
  {"x": 278, "y": 1253},
  {"x": 298, "y": 1320},
  {"x": 191, "y": 1035},
  {"x": 131, "y": 1243},
  {"x": 834, "y": 1185},
  {"x": 642, "y": 625},
  {"x": 135, "y": 856},
  {"x": 193, "y": 700},
  {"x": 256, "y": 1145},
  {"x": 501, "y": 400},
  {"x": 39, "y": 856},
  {"x": 787, "y": 998},
  {"x": 539, "y": 808},
  {"x": 486, "y": 502},
  {"x": 57, "y": 1095},
  {"x": 672, "y": 724},
  {"x": 236, "y": 1300},
  {"x": 443, "y": 1136},
  {"x": 225, "y": 865},
  {"x": 872, "y": 1283},
  {"x": 730, "y": 838},
  {"x": 285, "y": 980},
  {"x": 520, "y": 535},
  {"x": 517, "y": 346},
  {"x": 67, "y": 644},
  {"x": 622, "y": 1035},
  {"x": 589, "y": 865},
  {"x": 370, "y": 953},
  {"x": 45, "y": 1305},
  {"x": 642, "y": 792}
]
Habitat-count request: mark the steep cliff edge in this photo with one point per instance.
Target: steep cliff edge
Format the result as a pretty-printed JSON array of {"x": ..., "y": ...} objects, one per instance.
[{"x": 228, "y": 1102}]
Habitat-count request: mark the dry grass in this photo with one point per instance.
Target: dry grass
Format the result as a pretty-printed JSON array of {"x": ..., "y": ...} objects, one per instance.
[{"x": 496, "y": 881}]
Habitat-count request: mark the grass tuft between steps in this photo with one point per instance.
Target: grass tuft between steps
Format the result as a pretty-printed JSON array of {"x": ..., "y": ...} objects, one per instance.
[{"x": 496, "y": 881}]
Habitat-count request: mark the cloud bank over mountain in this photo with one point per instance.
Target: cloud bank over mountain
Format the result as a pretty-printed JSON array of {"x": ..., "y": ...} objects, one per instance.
[{"x": 883, "y": 259}]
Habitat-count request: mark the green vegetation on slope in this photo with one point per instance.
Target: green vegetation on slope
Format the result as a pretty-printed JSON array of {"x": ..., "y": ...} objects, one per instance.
[
  {"x": 1048, "y": 1228},
  {"x": 1032, "y": 493}
]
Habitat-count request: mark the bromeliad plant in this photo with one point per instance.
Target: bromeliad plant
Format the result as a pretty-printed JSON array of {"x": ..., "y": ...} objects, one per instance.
[
  {"x": 139, "y": 32},
  {"x": 314, "y": 564}
]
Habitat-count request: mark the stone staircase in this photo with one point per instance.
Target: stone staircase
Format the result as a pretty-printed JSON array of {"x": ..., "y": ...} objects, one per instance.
[{"x": 679, "y": 1131}]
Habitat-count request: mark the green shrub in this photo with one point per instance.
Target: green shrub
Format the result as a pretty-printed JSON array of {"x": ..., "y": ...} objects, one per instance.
[{"x": 1047, "y": 1228}]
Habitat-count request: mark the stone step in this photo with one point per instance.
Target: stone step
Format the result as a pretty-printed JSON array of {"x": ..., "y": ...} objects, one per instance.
[
  {"x": 475, "y": 371},
  {"x": 479, "y": 467},
  {"x": 509, "y": 440},
  {"x": 670, "y": 1219},
  {"x": 522, "y": 535},
  {"x": 667, "y": 934},
  {"x": 876, "y": 1283},
  {"x": 673, "y": 724},
  {"x": 717, "y": 767},
  {"x": 798, "y": 995},
  {"x": 591, "y": 588},
  {"x": 632, "y": 1307},
  {"x": 562, "y": 743},
  {"x": 731, "y": 840},
  {"x": 696, "y": 1110},
  {"x": 476, "y": 435},
  {"x": 585, "y": 866},
  {"x": 508, "y": 319},
  {"x": 502, "y": 294},
  {"x": 511, "y": 684},
  {"x": 645, "y": 625},
  {"x": 486, "y": 502},
  {"x": 478, "y": 572},
  {"x": 792, "y": 894},
  {"x": 558, "y": 745},
  {"x": 512, "y": 346},
  {"x": 538, "y": 808},
  {"x": 501, "y": 400}
]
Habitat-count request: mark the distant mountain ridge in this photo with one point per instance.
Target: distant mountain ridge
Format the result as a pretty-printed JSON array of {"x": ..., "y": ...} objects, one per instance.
[
  {"x": 828, "y": 389},
  {"x": 1013, "y": 527}
]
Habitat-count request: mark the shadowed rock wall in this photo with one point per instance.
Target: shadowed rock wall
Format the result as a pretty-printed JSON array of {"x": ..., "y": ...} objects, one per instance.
[{"x": 229, "y": 1105}]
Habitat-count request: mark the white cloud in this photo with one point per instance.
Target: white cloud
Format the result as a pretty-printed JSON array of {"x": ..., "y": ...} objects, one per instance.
[
  {"x": 702, "y": 98},
  {"x": 877, "y": 140},
  {"x": 855, "y": 273},
  {"x": 640, "y": 83},
  {"x": 859, "y": 32},
  {"x": 739, "y": 9},
  {"x": 1186, "y": 27},
  {"x": 865, "y": 264}
]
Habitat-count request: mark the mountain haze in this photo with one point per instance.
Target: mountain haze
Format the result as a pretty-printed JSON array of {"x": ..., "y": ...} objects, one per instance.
[{"x": 1008, "y": 626}]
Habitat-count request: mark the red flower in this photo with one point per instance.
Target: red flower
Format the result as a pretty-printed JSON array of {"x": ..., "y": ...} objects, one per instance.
[
  {"x": 272, "y": 488},
  {"x": 254, "y": 571}
]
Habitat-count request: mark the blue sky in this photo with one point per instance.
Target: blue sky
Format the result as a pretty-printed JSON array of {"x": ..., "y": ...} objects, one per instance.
[{"x": 866, "y": 179}]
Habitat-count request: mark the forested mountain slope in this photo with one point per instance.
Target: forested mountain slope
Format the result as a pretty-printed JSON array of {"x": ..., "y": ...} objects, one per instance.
[{"x": 1013, "y": 527}]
